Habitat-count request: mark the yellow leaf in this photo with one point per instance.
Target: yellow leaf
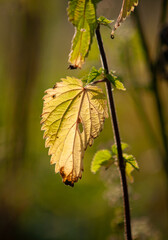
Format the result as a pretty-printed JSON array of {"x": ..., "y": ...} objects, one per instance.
[{"x": 73, "y": 115}]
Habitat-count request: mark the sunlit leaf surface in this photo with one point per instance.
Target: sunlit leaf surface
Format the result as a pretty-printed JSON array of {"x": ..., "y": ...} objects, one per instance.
[
  {"x": 115, "y": 81},
  {"x": 108, "y": 158},
  {"x": 73, "y": 115},
  {"x": 101, "y": 158},
  {"x": 131, "y": 164},
  {"x": 104, "y": 21},
  {"x": 82, "y": 14}
]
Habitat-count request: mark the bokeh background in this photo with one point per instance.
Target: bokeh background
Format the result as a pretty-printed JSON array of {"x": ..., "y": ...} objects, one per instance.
[{"x": 35, "y": 40}]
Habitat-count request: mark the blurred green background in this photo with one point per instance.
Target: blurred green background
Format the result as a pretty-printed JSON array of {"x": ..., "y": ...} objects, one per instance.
[{"x": 35, "y": 40}]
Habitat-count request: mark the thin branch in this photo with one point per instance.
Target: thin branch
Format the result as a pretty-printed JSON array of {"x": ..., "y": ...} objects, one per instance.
[
  {"x": 127, "y": 217},
  {"x": 99, "y": 81}
]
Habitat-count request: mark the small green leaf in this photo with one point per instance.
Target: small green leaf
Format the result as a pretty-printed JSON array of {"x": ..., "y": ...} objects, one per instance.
[
  {"x": 127, "y": 7},
  {"x": 101, "y": 158},
  {"x": 131, "y": 164},
  {"x": 94, "y": 73},
  {"x": 128, "y": 169},
  {"x": 115, "y": 81},
  {"x": 104, "y": 21},
  {"x": 129, "y": 158},
  {"x": 119, "y": 85},
  {"x": 114, "y": 147},
  {"x": 124, "y": 146}
]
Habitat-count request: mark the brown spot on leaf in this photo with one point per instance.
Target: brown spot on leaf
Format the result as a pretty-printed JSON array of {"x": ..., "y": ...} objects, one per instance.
[
  {"x": 71, "y": 184},
  {"x": 62, "y": 172},
  {"x": 68, "y": 180},
  {"x": 71, "y": 67}
]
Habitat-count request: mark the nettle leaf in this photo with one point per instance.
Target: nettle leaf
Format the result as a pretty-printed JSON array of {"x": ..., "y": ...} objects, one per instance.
[
  {"x": 107, "y": 158},
  {"x": 82, "y": 14},
  {"x": 93, "y": 75},
  {"x": 129, "y": 158},
  {"x": 104, "y": 21},
  {"x": 101, "y": 158},
  {"x": 131, "y": 164},
  {"x": 115, "y": 81},
  {"x": 73, "y": 115},
  {"x": 114, "y": 148},
  {"x": 127, "y": 7}
]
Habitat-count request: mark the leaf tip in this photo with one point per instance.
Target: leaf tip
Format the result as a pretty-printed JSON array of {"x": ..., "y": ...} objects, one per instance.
[
  {"x": 72, "y": 67},
  {"x": 69, "y": 183}
]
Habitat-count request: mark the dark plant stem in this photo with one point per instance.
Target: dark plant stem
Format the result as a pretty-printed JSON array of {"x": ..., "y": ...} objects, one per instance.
[{"x": 127, "y": 217}]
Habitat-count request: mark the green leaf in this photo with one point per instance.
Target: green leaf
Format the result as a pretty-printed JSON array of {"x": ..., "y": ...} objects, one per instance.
[
  {"x": 115, "y": 81},
  {"x": 106, "y": 158},
  {"x": 101, "y": 158},
  {"x": 82, "y": 14},
  {"x": 129, "y": 158},
  {"x": 131, "y": 164},
  {"x": 73, "y": 115},
  {"x": 124, "y": 146},
  {"x": 127, "y": 7},
  {"x": 128, "y": 169},
  {"x": 104, "y": 21},
  {"x": 114, "y": 147},
  {"x": 94, "y": 74}
]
